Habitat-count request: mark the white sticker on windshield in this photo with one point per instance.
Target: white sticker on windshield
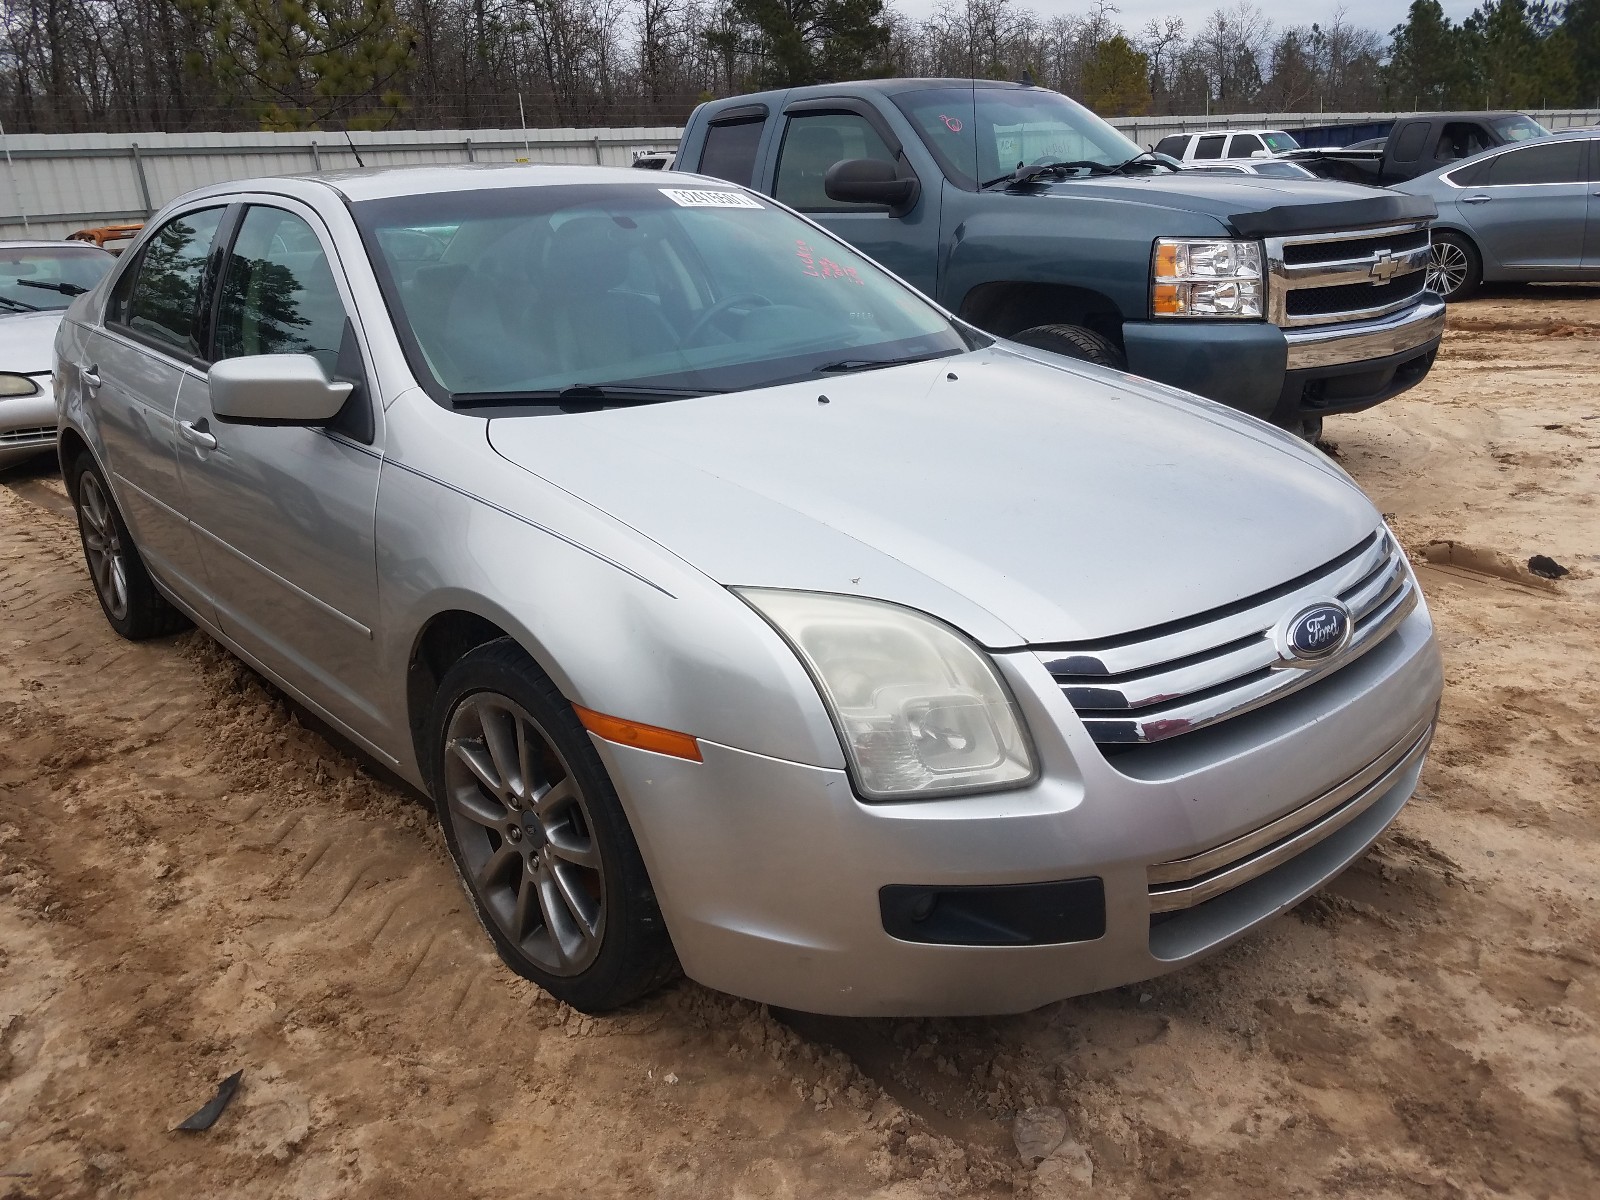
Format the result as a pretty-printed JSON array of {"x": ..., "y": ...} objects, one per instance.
[{"x": 690, "y": 198}]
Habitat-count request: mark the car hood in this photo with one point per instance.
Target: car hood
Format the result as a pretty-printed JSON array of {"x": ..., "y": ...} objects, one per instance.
[
  {"x": 1254, "y": 205},
  {"x": 1024, "y": 502},
  {"x": 27, "y": 341}
]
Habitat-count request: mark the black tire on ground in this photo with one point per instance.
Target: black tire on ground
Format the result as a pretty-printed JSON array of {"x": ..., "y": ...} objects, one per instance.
[
  {"x": 1455, "y": 270},
  {"x": 122, "y": 584},
  {"x": 1074, "y": 341},
  {"x": 538, "y": 836}
]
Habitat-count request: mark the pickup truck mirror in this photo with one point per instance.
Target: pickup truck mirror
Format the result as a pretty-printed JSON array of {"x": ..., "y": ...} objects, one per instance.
[
  {"x": 275, "y": 389},
  {"x": 870, "y": 181}
]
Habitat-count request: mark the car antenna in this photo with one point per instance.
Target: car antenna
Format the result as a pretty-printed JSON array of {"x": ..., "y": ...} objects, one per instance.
[{"x": 352, "y": 144}]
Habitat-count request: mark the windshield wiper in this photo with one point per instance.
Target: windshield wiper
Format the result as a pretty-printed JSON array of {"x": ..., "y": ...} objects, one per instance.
[
  {"x": 66, "y": 289},
  {"x": 1027, "y": 174},
  {"x": 18, "y": 305},
  {"x": 581, "y": 397},
  {"x": 1142, "y": 156},
  {"x": 873, "y": 364}
]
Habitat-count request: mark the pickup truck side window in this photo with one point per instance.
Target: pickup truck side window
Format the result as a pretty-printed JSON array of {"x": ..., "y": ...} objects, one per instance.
[
  {"x": 163, "y": 305},
  {"x": 730, "y": 151},
  {"x": 1244, "y": 145},
  {"x": 1408, "y": 146},
  {"x": 1459, "y": 139},
  {"x": 1209, "y": 146},
  {"x": 1552, "y": 162},
  {"x": 813, "y": 143}
]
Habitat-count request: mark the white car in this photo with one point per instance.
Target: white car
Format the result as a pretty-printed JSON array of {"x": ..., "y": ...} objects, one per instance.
[
  {"x": 1218, "y": 144},
  {"x": 37, "y": 282}
]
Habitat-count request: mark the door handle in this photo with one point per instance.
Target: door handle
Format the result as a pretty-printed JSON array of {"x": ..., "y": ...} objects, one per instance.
[
  {"x": 91, "y": 377},
  {"x": 197, "y": 433},
  {"x": 1476, "y": 199}
]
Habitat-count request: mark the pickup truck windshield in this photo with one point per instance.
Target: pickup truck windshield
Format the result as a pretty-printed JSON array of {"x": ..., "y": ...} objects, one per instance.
[
  {"x": 1519, "y": 128},
  {"x": 630, "y": 293},
  {"x": 979, "y": 134}
]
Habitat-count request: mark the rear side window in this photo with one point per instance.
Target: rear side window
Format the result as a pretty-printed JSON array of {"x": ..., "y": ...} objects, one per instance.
[
  {"x": 1172, "y": 146},
  {"x": 164, "y": 299},
  {"x": 1244, "y": 145},
  {"x": 278, "y": 293},
  {"x": 1408, "y": 146},
  {"x": 1552, "y": 162},
  {"x": 814, "y": 143},
  {"x": 730, "y": 151},
  {"x": 1209, "y": 147}
]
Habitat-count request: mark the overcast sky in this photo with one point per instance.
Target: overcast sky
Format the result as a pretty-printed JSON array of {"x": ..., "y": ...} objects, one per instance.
[{"x": 1382, "y": 15}]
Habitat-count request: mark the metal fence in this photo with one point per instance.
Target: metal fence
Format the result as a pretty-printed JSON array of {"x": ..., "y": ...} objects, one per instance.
[{"x": 61, "y": 182}]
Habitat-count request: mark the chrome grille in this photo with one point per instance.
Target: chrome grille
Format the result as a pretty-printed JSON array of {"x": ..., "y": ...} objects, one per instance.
[
  {"x": 1174, "y": 679},
  {"x": 1186, "y": 882},
  {"x": 11, "y": 437},
  {"x": 1365, "y": 274}
]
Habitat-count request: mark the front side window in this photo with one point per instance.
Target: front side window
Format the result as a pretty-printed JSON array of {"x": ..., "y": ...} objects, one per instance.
[
  {"x": 163, "y": 303},
  {"x": 1244, "y": 145},
  {"x": 278, "y": 293},
  {"x": 1209, "y": 147},
  {"x": 693, "y": 290},
  {"x": 1552, "y": 162},
  {"x": 814, "y": 143},
  {"x": 730, "y": 151},
  {"x": 48, "y": 277},
  {"x": 980, "y": 134},
  {"x": 1459, "y": 139}
]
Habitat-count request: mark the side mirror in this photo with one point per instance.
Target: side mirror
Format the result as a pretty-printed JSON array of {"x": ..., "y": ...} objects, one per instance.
[
  {"x": 1261, "y": 154},
  {"x": 275, "y": 389},
  {"x": 870, "y": 181}
]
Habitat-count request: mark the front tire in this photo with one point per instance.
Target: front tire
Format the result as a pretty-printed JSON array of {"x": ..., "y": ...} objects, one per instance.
[
  {"x": 1455, "y": 268},
  {"x": 122, "y": 583},
  {"x": 539, "y": 837},
  {"x": 1074, "y": 341}
]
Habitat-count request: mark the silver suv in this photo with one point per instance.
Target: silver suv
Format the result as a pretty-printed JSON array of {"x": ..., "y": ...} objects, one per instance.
[{"x": 737, "y": 606}]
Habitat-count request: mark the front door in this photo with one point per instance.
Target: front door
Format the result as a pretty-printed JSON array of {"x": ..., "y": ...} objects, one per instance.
[
  {"x": 907, "y": 244},
  {"x": 1530, "y": 205},
  {"x": 285, "y": 514}
]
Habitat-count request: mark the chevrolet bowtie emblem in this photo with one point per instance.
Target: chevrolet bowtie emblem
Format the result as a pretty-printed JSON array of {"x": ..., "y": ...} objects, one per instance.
[{"x": 1384, "y": 266}]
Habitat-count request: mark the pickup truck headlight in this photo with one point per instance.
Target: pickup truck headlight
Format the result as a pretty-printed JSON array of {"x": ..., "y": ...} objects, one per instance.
[
  {"x": 921, "y": 711},
  {"x": 1205, "y": 277},
  {"x": 17, "y": 385}
]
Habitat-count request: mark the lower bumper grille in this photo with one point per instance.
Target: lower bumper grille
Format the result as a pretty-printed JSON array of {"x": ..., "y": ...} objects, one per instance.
[
  {"x": 1186, "y": 882},
  {"x": 41, "y": 433}
]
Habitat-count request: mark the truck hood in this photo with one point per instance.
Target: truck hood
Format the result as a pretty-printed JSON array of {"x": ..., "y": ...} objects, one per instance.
[
  {"x": 1254, "y": 206},
  {"x": 1024, "y": 502},
  {"x": 27, "y": 341}
]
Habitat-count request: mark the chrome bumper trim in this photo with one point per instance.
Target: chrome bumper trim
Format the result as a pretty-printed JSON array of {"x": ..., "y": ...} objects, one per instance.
[{"x": 1332, "y": 346}]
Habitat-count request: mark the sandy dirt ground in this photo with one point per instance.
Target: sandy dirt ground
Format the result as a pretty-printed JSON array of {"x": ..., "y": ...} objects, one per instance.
[{"x": 194, "y": 882}]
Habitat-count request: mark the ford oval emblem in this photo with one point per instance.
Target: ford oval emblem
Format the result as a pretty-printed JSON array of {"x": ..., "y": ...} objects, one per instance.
[{"x": 1318, "y": 631}]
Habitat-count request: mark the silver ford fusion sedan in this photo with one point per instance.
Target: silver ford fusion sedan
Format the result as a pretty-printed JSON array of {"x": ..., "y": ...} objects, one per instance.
[{"x": 737, "y": 606}]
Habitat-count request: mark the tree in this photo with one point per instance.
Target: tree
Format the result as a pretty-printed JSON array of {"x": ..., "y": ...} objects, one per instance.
[
  {"x": 1583, "y": 30},
  {"x": 1116, "y": 79},
  {"x": 811, "y": 41}
]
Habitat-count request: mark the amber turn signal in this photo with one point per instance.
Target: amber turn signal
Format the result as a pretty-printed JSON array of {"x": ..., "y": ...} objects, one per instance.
[{"x": 642, "y": 737}]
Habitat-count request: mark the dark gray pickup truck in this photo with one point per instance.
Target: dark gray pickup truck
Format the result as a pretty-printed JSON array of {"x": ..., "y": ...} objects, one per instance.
[
  {"x": 1033, "y": 219},
  {"x": 1417, "y": 144}
]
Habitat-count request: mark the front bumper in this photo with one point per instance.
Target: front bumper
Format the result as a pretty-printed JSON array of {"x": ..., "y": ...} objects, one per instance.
[
  {"x": 770, "y": 874},
  {"x": 28, "y": 424}
]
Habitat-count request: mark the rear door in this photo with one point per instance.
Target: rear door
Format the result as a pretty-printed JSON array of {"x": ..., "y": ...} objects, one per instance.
[
  {"x": 152, "y": 336},
  {"x": 1591, "y": 242},
  {"x": 1530, "y": 206},
  {"x": 285, "y": 514}
]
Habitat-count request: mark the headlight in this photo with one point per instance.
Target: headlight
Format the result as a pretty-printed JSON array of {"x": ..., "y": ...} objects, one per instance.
[
  {"x": 921, "y": 711},
  {"x": 17, "y": 385},
  {"x": 1195, "y": 277}
]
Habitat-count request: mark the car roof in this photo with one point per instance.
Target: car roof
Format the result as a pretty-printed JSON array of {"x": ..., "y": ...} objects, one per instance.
[{"x": 52, "y": 243}]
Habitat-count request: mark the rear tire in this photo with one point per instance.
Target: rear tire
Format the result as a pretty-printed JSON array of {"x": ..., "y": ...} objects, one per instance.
[
  {"x": 538, "y": 836},
  {"x": 1074, "y": 341},
  {"x": 1455, "y": 268},
  {"x": 122, "y": 584}
]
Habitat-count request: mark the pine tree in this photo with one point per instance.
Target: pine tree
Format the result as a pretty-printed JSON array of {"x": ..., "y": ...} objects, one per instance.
[
  {"x": 812, "y": 41},
  {"x": 1116, "y": 79}
]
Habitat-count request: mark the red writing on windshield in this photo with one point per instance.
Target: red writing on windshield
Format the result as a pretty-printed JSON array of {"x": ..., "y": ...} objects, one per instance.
[
  {"x": 953, "y": 124},
  {"x": 824, "y": 268}
]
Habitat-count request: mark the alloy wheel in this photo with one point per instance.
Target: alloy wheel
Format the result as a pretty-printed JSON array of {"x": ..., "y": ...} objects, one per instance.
[
  {"x": 522, "y": 822},
  {"x": 1448, "y": 268},
  {"x": 108, "y": 562}
]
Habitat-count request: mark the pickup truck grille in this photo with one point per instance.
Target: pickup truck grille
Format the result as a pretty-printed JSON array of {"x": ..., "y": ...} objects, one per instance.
[
  {"x": 1324, "y": 278},
  {"x": 1187, "y": 675}
]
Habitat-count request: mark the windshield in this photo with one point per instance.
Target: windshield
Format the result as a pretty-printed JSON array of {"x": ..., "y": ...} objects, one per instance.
[
  {"x": 1519, "y": 128},
  {"x": 504, "y": 291},
  {"x": 36, "y": 277},
  {"x": 1282, "y": 170},
  {"x": 1278, "y": 141},
  {"x": 980, "y": 134}
]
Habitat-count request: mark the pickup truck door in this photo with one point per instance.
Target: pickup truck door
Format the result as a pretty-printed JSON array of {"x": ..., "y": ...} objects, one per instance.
[
  {"x": 818, "y": 133},
  {"x": 1530, "y": 205}
]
